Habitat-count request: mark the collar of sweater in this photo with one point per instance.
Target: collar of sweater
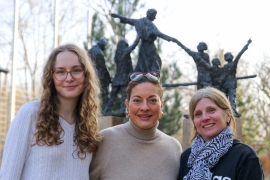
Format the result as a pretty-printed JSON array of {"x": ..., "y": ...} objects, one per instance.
[{"x": 143, "y": 134}]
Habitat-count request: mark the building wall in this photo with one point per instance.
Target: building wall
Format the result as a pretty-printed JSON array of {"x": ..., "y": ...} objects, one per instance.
[
  {"x": 22, "y": 96},
  {"x": 3, "y": 111}
]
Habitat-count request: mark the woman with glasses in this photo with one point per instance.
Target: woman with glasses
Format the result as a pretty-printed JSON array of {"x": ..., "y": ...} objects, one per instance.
[
  {"x": 54, "y": 137},
  {"x": 214, "y": 153},
  {"x": 137, "y": 149}
]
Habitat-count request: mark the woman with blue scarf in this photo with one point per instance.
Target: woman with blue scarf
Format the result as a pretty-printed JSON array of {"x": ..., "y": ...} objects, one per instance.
[{"x": 214, "y": 154}]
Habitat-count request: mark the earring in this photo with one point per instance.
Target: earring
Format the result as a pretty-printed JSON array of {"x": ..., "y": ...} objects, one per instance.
[
  {"x": 161, "y": 114},
  {"x": 127, "y": 113}
]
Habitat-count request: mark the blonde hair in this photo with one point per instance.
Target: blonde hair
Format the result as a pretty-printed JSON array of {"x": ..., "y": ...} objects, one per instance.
[
  {"x": 87, "y": 110},
  {"x": 218, "y": 98}
]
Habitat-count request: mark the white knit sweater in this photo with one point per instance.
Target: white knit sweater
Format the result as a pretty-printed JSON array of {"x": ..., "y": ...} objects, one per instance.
[{"x": 23, "y": 161}]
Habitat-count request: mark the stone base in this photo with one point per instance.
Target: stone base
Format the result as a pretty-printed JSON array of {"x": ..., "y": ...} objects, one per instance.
[
  {"x": 109, "y": 121},
  {"x": 238, "y": 129},
  {"x": 187, "y": 129}
]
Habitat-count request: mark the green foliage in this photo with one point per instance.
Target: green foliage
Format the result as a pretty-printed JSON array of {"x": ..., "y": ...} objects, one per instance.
[
  {"x": 250, "y": 128},
  {"x": 125, "y": 8},
  {"x": 261, "y": 96},
  {"x": 110, "y": 28},
  {"x": 220, "y": 54},
  {"x": 97, "y": 30},
  {"x": 170, "y": 123}
]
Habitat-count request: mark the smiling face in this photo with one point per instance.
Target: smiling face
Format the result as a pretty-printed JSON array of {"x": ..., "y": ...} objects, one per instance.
[
  {"x": 68, "y": 88},
  {"x": 209, "y": 119},
  {"x": 144, "y": 105}
]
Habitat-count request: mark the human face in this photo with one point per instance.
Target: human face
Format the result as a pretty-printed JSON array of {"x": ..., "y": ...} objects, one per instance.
[
  {"x": 144, "y": 105},
  {"x": 68, "y": 88},
  {"x": 209, "y": 119}
]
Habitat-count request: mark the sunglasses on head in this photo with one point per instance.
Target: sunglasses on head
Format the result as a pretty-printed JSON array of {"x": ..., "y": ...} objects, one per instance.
[{"x": 137, "y": 76}]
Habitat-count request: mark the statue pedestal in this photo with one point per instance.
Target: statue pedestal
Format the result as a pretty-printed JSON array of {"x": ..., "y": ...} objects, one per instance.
[
  {"x": 187, "y": 129},
  {"x": 109, "y": 121},
  {"x": 238, "y": 129}
]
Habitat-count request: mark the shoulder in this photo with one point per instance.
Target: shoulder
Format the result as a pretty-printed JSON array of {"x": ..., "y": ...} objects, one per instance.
[
  {"x": 111, "y": 132},
  {"x": 95, "y": 50},
  {"x": 31, "y": 105},
  {"x": 184, "y": 157},
  {"x": 186, "y": 152},
  {"x": 110, "y": 137},
  {"x": 26, "y": 115},
  {"x": 239, "y": 153},
  {"x": 171, "y": 141},
  {"x": 29, "y": 109},
  {"x": 24, "y": 122},
  {"x": 242, "y": 148}
]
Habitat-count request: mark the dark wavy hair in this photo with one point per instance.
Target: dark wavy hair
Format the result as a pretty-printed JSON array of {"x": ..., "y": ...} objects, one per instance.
[{"x": 49, "y": 130}]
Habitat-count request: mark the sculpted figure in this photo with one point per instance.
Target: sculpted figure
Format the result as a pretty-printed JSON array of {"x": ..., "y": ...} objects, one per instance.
[
  {"x": 123, "y": 70},
  {"x": 230, "y": 83},
  {"x": 96, "y": 54},
  {"x": 148, "y": 59},
  {"x": 203, "y": 77},
  {"x": 216, "y": 72}
]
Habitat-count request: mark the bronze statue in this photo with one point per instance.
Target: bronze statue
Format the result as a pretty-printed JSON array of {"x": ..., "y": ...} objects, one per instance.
[
  {"x": 216, "y": 72},
  {"x": 96, "y": 54},
  {"x": 230, "y": 83},
  {"x": 203, "y": 77},
  {"x": 120, "y": 81},
  {"x": 148, "y": 59},
  {"x": 222, "y": 78}
]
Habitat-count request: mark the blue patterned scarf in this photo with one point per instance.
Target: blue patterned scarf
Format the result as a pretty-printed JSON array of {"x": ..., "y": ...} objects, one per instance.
[{"x": 204, "y": 155}]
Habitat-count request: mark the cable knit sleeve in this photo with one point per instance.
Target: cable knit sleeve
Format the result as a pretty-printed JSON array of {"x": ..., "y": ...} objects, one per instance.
[{"x": 18, "y": 141}]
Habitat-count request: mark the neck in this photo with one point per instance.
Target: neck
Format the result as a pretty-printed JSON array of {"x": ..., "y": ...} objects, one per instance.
[
  {"x": 142, "y": 134},
  {"x": 66, "y": 110}
]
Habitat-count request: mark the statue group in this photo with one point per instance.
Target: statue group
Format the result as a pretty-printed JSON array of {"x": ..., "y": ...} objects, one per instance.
[{"x": 222, "y": 78}]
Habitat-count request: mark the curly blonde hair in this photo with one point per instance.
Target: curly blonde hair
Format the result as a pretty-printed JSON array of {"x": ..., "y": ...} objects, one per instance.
[
  {"x": 86, "y": 135},
  {"x": 218, "y": 98}
]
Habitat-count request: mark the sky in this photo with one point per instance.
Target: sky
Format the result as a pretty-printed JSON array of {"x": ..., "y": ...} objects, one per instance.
[{"x": 221, "y": 24}]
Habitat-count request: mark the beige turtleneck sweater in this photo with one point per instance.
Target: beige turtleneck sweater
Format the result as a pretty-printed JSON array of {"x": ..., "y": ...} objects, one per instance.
[{"x": 130, "y": 153}]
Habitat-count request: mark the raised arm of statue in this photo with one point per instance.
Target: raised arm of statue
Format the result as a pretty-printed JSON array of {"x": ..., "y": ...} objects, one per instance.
[
  {"x": 203, "y": 62},
  {"x": 123, "y": 19},
  {"x": 133, "y": 46},
  {"x": 183, "y": 46},
  {"x": 166, "y": 37},
  {"x": 241, "y": 52}
]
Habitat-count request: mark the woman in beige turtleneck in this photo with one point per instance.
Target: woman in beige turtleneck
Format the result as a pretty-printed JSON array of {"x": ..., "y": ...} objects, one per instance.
[{"x": 137, "y": 150}]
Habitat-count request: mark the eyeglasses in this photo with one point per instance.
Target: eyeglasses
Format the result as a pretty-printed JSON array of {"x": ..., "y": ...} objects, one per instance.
[
  {"x": 137, "y": 76},
  {"x": 61, "y": 74}
]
